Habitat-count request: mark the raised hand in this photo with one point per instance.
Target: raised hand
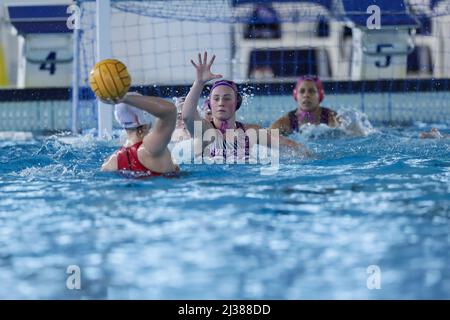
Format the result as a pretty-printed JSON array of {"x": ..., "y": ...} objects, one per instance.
[{"x": 203, "y": 69}]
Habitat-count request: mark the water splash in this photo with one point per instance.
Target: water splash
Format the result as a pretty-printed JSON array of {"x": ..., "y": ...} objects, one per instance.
[{"x": 354, "y": 122}]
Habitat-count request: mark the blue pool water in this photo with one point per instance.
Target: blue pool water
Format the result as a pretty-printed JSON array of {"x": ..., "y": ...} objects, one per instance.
[{"x": 222, "y": 232}]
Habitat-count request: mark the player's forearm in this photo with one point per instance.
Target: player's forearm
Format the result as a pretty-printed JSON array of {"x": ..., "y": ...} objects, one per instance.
[
  {"x": 158, "y": 107},
  {"x": 190, "y": 113}
]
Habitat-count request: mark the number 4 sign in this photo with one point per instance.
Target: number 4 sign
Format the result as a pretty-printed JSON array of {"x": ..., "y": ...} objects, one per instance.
[{"x": 49, "y": 63}]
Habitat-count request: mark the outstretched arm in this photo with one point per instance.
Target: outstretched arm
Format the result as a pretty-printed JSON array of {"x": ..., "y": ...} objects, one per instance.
[
  {"x": 283, "y": 141},
  {"x": 283, "y": 124},
  {"x": 296, "y": 147},
  {"x": 203, "y": 75},
  {"x": 166, "y": 115}
]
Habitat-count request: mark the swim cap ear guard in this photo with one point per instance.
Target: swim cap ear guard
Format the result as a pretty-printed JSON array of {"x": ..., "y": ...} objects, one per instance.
[
  {"x": 227, "y": 83},
  {"x": 317, "y": 82}
]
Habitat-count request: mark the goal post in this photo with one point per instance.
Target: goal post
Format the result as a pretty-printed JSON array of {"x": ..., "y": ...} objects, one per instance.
[{"x": 103, "y": 18}]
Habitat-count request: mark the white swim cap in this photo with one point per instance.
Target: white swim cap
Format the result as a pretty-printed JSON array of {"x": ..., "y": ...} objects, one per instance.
[{"x": 130, "y": 117}]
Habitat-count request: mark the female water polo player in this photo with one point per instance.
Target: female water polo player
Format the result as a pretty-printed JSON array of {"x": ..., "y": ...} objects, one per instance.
[
  {"x": 180, "y": 132},
  {"x": 308, "y": 93},
  {"x": 145, "y": 150},
  {"x": 224, "y": 100}
]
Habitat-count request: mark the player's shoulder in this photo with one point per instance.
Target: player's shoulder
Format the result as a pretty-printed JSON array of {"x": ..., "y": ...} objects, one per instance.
[{"x": 111, "y": 163}]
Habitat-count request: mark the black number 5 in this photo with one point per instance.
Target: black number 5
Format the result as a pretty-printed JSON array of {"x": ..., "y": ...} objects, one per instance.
[{"x": 387, "y": 62}]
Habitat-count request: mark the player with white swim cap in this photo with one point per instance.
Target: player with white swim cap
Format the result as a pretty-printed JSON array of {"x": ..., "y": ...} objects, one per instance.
[{"x": 145, "y": 150}]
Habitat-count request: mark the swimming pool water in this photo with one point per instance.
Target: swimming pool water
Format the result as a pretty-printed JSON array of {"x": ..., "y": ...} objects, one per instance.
[{"x": 227, "y": 232}]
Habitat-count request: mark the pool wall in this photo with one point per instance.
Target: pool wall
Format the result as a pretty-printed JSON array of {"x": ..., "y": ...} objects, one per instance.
[{"x": 32, "y": 110}]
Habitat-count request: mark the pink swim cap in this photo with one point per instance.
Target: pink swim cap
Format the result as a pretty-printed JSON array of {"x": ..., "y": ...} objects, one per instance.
[{"x": 316, "y": 81}]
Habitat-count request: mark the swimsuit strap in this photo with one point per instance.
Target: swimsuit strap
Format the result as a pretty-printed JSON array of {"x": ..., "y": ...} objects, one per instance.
[
  {"x": 293, "y": 120},
  {"x": 239, "y": 125},
  {"x": 324, "y": 115}
]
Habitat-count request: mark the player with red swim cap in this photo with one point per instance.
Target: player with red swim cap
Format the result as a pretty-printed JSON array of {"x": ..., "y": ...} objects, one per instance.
[
  {"x": 308, "y": 93},
  {"x": 145, "y": 150}
]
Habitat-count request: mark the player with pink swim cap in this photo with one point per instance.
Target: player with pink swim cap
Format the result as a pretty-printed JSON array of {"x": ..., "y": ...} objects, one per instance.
[
  {"x": 145, "y": 150},
  {"x": 224, "y": 100},
  {"x": 308, "y": 93}
]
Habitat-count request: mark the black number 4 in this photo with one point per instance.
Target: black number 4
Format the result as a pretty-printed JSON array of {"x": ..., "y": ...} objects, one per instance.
[{"x": 49, "y": 63}]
